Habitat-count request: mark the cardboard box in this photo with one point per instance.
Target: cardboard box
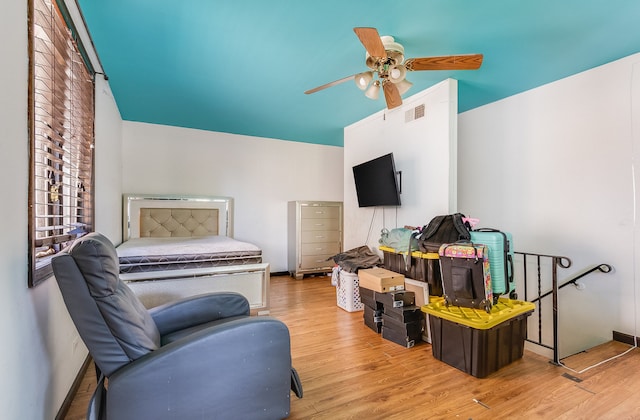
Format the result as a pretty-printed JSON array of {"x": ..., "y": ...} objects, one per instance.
[
  {"x": 397, "y": 337},
  {"x": 396, "y": 299},
  {"x": 404, "y": 313},
  {"x": 368, "y": 298},
  {"x": 381, "y": 280},
  {"x": 373, "y": 318},
  {"x": 413, "y": 330}
]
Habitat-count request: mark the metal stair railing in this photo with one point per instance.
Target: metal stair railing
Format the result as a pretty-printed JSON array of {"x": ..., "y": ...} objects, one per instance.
[{"x": 556, "y": 262}]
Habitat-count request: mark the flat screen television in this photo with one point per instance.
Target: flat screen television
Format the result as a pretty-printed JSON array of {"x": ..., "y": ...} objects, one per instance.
[{"x": 376, "y": 182}]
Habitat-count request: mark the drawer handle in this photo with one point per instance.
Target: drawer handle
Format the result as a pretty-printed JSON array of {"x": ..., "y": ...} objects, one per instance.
[
  {"x": 319, "y": 236},
  {"x": 319, "y": 224}
]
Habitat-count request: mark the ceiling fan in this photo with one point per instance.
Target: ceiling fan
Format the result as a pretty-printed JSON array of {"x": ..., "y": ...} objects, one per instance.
[{"x": 385, "y": 58}]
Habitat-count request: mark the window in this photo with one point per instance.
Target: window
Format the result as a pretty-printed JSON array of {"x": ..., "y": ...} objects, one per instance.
[{"x": 61, "y": 117}]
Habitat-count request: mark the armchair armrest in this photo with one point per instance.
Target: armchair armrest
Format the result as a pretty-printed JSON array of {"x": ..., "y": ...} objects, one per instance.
[
  {"x": 198, "y": 310},
  {"x": 239, "y": 369}
]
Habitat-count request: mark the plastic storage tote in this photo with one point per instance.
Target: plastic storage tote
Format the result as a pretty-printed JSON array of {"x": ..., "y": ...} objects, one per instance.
[
  {"x": 477, "y": 342},
  {"x": 422, "y": 267}
]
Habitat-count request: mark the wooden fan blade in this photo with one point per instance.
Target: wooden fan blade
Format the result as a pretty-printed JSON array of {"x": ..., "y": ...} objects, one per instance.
[
  {"x": 371, "y": 41},
  {"x": 391, "y": 95},
  {"x": 448, "y": 62},
  {"x": 328, "y": 85}
]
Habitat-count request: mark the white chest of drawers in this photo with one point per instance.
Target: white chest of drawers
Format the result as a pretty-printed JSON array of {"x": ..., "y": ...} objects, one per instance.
[{"x": 314, "y": 236}]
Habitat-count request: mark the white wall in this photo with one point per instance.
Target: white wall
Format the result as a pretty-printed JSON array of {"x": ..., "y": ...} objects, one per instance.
[
  {"x": 38, "y": 359},
  {"x": 108, "y": 165},
  {"x": 424, "y": 150},
  {"x": 554, "y": 166},
  {"x": 262, "y": 175}
]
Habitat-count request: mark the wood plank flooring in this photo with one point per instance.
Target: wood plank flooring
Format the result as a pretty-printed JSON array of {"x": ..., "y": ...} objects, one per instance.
[{"x": 350, "y": 372}]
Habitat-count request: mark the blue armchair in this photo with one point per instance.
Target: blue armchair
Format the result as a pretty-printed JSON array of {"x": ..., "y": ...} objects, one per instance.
[{"x": 198, "y": 358}]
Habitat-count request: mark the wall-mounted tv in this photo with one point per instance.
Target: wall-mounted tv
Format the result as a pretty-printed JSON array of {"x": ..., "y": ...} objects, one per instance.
[{"x": 376, "y": 182}]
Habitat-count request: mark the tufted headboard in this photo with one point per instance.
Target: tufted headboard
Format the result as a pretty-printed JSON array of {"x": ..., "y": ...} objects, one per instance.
[
  {"x": 157, "y": 216},
  {"x": 168, "y": 222}
]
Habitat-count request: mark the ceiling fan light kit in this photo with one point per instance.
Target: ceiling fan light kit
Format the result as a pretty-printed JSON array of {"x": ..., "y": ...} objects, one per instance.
[
  {"x": 385, "y": 57},
  {"x": 394, "y": 53}
]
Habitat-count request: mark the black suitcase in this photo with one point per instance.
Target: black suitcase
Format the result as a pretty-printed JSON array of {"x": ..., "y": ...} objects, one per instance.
[{"x": 466, "y": 278}]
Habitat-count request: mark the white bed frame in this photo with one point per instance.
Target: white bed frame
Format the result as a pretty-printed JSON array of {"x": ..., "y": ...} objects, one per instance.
[{"x": 158, "y": 287}]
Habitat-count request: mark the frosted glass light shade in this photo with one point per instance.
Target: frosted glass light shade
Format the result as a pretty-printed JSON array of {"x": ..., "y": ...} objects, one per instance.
[
  {"x": 403, "y": 86},
  {"x": 363, "y": 79},
  {"x": 397, "y": 73},
  {"x": 374, "y": 90}
]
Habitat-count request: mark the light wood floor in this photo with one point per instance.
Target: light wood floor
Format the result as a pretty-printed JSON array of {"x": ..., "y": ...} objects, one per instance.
[{"x": 350, "y": 372}]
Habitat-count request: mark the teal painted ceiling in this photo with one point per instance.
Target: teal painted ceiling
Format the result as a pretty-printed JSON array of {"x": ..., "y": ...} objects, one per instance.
[{"x": 241, "y": 66}]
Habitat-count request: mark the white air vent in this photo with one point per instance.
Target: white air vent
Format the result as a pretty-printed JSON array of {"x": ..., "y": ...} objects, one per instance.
[{"x": 414, "y": 113}]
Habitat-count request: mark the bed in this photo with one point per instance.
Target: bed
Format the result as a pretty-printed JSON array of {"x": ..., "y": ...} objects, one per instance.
[{"x": 178, "y": 246}]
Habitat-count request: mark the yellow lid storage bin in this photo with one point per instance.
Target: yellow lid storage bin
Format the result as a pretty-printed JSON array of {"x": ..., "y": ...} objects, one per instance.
[
  {"x": 477, "y": 342},
  {"x": 422, "y": 266},
  {"x": 479, "y": 318}
]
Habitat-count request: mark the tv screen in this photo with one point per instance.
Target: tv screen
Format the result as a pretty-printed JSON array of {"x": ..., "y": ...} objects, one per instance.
[{"x": 376, "y": 182}]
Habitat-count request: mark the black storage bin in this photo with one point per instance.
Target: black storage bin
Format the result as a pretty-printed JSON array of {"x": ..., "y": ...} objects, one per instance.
[
  {"x": 476, "y": 345},
  {"x": 423, "y": 267}
]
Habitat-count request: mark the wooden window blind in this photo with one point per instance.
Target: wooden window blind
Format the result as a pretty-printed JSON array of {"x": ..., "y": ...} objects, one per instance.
[{"x": 61, "y": 121}]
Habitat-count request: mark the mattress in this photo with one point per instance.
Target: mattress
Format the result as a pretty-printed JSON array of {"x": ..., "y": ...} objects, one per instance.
[{"x": 153, "y": 254}]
